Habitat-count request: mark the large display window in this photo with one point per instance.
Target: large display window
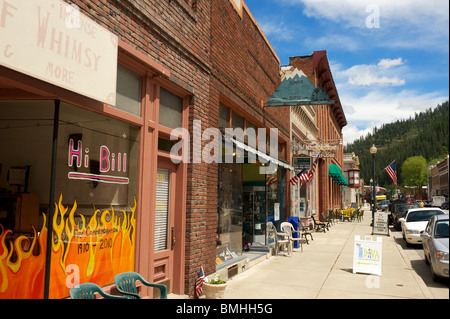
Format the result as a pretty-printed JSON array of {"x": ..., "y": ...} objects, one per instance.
[
  {"x": 94, "y": 220},
  {"x": 93, "y": 206},
  {"x": 26, "y": 129},
  {"x": 229, "y": 241}
]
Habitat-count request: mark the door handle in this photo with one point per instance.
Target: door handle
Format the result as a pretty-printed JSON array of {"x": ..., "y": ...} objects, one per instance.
[{"x": 173, "y": 239}]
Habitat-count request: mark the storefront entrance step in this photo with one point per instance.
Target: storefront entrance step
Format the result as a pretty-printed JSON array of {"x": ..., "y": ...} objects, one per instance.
[{"x": 230, "y": 262}]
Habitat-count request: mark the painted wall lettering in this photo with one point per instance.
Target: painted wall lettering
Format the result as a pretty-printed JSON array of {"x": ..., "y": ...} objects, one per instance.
[{"x": 109, "y": 162}]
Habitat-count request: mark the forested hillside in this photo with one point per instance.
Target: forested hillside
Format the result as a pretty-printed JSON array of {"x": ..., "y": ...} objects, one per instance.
[{"x": 424, "y": 135}]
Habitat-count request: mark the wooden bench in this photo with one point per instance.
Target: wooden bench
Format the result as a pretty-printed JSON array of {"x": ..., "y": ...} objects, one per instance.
[{"x": 319, "y": 225}]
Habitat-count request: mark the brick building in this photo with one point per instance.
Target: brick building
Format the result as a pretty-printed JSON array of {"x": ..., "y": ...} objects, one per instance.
[
  {"x": 97, "y": 98},
  {"x": 438, "y": 181},
  {"x": 329, "y": 119}
]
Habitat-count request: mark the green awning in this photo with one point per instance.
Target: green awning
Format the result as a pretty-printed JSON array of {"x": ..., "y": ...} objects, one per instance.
[{"x": 336, "y": 174}]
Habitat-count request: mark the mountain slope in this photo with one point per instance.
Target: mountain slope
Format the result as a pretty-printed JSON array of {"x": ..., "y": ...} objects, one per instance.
[{"x": 424, "y": 135}]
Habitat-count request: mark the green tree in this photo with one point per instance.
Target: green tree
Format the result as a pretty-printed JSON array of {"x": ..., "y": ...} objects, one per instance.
[{"x": 414, "y": 171}]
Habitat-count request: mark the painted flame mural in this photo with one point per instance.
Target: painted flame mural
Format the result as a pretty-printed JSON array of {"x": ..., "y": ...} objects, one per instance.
[{"x": 92, "y": 250}]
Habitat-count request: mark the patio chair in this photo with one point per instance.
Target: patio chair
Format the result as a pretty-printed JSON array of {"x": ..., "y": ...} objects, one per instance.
[
  {"x": 280, "y": 239},
  {"x": 126, "y": 284},
  {"x": 355, "y": 215},
  {"x": 288, "y": 228},
  {"x": 361, "y": 215},
  {"x": 88, "y": 290},
  {"x": 338, "y": 215},
  {"x": 346, "y": 215}
]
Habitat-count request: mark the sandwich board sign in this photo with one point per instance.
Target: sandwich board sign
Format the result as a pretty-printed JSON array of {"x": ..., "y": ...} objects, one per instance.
[
  {"x": 380, "y": 223},
  {"x": 367, "y": 255}
]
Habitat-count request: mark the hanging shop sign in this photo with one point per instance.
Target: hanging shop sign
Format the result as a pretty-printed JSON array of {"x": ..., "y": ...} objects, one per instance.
[
  {"x": 327, "y": 155},
  {"x": 367, "y": 255},
  {"x": 321, "y": 146},
  {"x": 52, "y": 41},
  {"x": 301, "y": 162},
  {"x": 297, "y": 89}
]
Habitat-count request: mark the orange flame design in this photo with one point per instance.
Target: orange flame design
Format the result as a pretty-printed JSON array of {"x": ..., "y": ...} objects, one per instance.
[{"x": 89, "y": 251}]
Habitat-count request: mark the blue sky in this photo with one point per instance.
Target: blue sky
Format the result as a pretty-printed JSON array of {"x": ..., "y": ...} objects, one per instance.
[{"x": 389, "y": 58}]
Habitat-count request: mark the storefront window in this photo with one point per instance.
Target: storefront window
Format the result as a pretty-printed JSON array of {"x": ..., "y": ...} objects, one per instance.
[
  {"x": 170, "y": 109},
  {"x": 128, "y": 95},
  {"x": 237, "y": 121},
  {"x": 229, "y": 241},
  {"x": 224, "y": 116},
  {"x": 94, "y": 221},
  {"x": 274, "y": 197},
  {"x": 26, "y": 130}
]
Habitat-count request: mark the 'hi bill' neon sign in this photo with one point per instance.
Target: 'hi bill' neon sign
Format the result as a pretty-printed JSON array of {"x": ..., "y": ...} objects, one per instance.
[{"x": 109, "y": 162}]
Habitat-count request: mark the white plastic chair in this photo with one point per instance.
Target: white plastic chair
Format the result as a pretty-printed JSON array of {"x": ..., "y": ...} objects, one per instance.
[
  {"x": 288, "y": 228},
  {"x": 280, "y": 239}
]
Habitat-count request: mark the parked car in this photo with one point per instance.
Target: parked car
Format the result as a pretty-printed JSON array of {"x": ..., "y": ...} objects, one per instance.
[
  {"x": 383, "y": 205},
  {"x": 444, "y": 205},
  {"x": 438, "y": 201},
  {"x": 435, "y": 246},
  {"x": 427, "y": 203},
  {"x": 400, "y": 212},
  {"x": 415, "y": 222}
]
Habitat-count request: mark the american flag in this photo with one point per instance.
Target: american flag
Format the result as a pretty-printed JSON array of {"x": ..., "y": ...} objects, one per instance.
[
  {"x": 270, "y": 180},
  {"x": 301, "y": 175},
  {"x": 313, "y": 169},
  {"x": 199, "y": 284},
  {"x": 311, "y": 172},
  {"x": 390, "y": 169}
]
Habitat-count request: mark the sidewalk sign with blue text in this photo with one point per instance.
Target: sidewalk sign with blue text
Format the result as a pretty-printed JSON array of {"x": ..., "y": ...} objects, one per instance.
[{"x": 367, "y": 255}]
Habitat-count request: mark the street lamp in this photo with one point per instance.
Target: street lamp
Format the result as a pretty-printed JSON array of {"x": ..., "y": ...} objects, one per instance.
[
  {"x": 373, "y": 151},
  {"x": 371, "y": 194}
]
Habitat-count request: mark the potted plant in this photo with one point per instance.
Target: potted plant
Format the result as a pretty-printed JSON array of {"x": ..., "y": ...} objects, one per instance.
[{"x": 215, "y": 287}]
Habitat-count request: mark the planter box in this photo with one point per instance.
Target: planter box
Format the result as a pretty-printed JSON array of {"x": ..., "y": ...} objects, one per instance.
[{"x": 216, "y": 291}]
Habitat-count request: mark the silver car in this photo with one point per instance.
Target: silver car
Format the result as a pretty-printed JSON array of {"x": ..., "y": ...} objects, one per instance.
[{"x": 435, "y": 245}]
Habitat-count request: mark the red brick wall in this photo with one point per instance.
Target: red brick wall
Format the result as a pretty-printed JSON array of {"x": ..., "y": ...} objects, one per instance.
[
  {"x": 215, "y": 54},
  {"x": 175, "y": 34},
  {"x": 330, "y": 194}
]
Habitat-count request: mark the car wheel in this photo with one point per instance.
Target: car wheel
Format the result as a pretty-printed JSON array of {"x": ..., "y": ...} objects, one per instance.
[
  {"x": 427, "y": 261},
  {"x": 433, "y": 275}
]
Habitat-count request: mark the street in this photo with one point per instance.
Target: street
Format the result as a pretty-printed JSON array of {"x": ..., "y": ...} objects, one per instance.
[{"x": 415, "y": 255}]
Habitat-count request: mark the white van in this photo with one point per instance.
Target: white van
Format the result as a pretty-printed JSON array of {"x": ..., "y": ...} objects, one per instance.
[{"x": 438, "y": 201}]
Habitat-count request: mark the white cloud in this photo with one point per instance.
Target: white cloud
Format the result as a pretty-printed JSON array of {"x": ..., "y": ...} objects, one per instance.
[
  {"x": 388, "y": 63},
  {"x": 384, "y": 73},
  {"x": 351, "y": 133},
  {"x": 276, "y": 30},
  {"x": 420, "y": 24},
  {"x": 380, "y": 106}
]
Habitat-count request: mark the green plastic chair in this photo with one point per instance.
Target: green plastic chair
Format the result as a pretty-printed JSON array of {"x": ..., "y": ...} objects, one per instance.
[
  {"x": 126, "y": 284},
  {"x": 88, "y": 290}
]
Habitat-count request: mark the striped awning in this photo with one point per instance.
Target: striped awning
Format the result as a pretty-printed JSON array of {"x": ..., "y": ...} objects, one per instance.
[{"x": 336, "y": 174}]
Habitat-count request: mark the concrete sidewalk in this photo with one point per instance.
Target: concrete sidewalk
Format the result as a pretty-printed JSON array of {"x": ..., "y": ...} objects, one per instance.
[{"x": 324, "y": 271}]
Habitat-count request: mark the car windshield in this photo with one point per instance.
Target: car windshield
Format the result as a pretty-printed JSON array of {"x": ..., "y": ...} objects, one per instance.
[
  {"x": 441, "y": 229},
  {"x": 422, "y": 215}
]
